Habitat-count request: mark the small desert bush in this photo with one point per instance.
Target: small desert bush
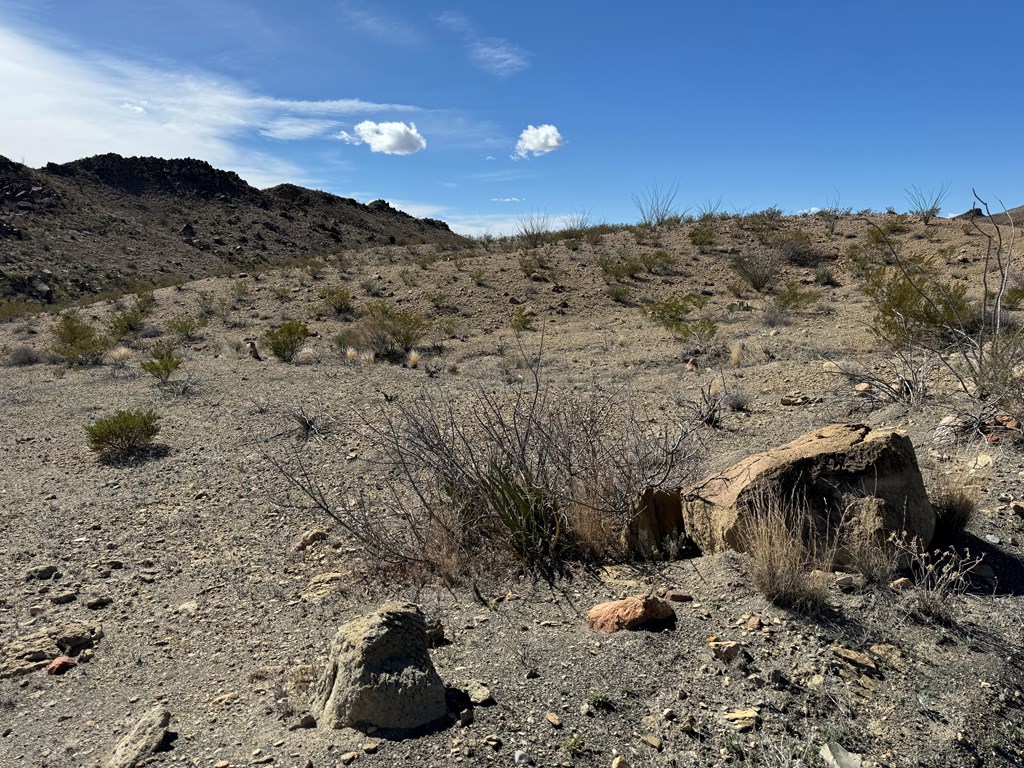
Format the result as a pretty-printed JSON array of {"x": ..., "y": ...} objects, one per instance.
[
  {"x": 285, "y": 340},
  {"x": 78, "y": 341},
  {"x": 762, "y": 224},
  {"x": 824, "y": 276},
  {"x": 338, "y": 300},
  {"x": 620, "y": 294},
  {"x": 788, "y": 563},
  {"x": 620, "y": 266},
  {"x": 162, "y": 363},
  {"x": 386, "y": 331},
  {"x": 797, "y": 248},
  {"x": 659, "y": 262},
  {"x": 673, "y": 313},
  {"x": 522, "y": 319},
  {"x": 132, "y": 321},
  {"x": 794, "y": 298},
  {"x": 185, "y": 327},
  {"x": 123, "y": 435},
  {"x": 760, "y": 270},
  {"x": 702, "y": 235}
]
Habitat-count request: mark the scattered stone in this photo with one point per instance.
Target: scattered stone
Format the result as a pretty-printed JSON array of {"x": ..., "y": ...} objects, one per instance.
[
  {"x": 147, "y": 737},
  {"x": 1018, "y": 508},
  {"x": 521, "y": 757},
  {"x": 306, "y": 721},
  {"x": 678, "y": 596},
  {"x": 620, "y": 762},
  {"x": 38, "y": 649},
  {"x": 466, "y": 717},
  {"x": 652, "y": 741},
  {"x": 63, "y": 598},
  {"x": 855, "y": 658},
  {"x": 754, "y": 624},
  {"x": 587, "y": 710},
  {"x": 902, "y": 584},
  {"x": 992, "y": 539},
  {"x": 380, "y": 674},
  {"x": 348, "y": 758},
  {"x": 829, "y": 465},
  {"x": 845, "y": 581},
  {"x": 42, "y": 573},
  {"x": 308, "y": 538},
  {"x": 323, "y": 585},
  {"x": 479, "y": 693},
  {"x": 743, "y": 719},
  {"x": 370, "y": 747},
  {"x": 836, "y": 757},
  {"x": 555, "y": 720},
  {"x": 632, "y": 612},
  {"x": 863, "y": 390},
  {"x": 726, "y": 650},
  {"x": 99, "y": 601},
  {"x": 435, "y": 634},
  {"x": 60, "y": 665}
]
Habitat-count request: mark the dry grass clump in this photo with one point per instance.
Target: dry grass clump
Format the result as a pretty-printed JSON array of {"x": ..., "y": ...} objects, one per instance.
[
  {"x": 788, "y": 564},
  {"x": 118, "y": 357},
  {"x": 306, "y": 356},
  {"x": 955, "y": 502},
  {"x": 385, "y": 330},
  {"x": 22, "y": 355}
]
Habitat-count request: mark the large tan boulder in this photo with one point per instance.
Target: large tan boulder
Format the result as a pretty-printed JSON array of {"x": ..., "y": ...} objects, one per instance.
[
  {"x": 380, "y": 674},
  {"x": 843, "y": 473}
]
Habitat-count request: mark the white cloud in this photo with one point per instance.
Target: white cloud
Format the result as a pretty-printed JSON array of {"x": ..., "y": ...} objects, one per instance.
[
  {"x": 291, "y": 128},
  {"x": 538, "y": 140},
  {"x": 389, "y": 138},
  {"x": 72, "y": 105},
  {"x": 507, "y": 199}
]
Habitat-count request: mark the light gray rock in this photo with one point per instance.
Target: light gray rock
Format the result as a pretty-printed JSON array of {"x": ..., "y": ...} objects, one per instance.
[
  {"x": 142, "y": 740},
  {"x": 380, "y": 674}
]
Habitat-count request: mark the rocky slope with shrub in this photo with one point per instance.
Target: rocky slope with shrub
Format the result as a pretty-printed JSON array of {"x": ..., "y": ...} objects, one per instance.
[{"x": 466, "y": 427}]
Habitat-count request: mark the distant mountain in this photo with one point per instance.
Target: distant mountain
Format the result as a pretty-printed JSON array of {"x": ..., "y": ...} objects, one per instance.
[{"x": 103, "y": 222}]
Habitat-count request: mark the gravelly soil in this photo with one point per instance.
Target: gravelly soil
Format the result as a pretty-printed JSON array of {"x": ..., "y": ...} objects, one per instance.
[{"x": 207, "y": 609}]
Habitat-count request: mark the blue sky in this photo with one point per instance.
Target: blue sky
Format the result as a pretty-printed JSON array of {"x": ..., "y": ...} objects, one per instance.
[{"x": 479, "y": 113}]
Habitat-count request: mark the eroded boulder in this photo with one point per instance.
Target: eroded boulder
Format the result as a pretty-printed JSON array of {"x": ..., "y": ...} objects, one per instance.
[
  {"x": 633, "y": 612},
  {"x": 380, "y": 674},
  {"x": 38, "y": 649},
  {"x": 844, "y": 474}
]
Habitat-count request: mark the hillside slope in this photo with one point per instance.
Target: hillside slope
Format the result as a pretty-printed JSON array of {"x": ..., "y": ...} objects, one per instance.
[{"x": 99, "y": 223}]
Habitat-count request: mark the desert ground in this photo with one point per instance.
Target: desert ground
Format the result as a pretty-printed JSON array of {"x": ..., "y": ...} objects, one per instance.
[{"x": 185, "y": 557}]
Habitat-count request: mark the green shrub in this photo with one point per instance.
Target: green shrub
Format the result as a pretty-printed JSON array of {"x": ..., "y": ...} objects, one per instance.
[
  {"x": 184, "y": 327},
  {"x": 796, "y": 299},
  {"x": 163, "y": 363},
  {"x": 285, "y": 340},
  {"x": 673, "y": 313},
  {"x": 78, "y": 341},
  {"x": 338, "y": 300},
  {"x": 522, "y": 320},
  {"x": 123, "y": 435},
  {"x": 619, "y": 294},
  {"x": 702, "y": 235},
  {"x": 824, "y": 276},
  {"x": 658, "y": 262},
  {"x": 623, "y": 265}
]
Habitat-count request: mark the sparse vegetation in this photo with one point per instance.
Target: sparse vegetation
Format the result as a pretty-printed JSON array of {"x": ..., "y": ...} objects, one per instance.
[
  {"x": 657, "y": 204},
  {"x": 386, "y": 331},
  {"x": 78, "y": 341},
  {"x": 760, "y": 270},
  {"x": 285, "y": 340},
  {"x": 162, "y": 363},
  {"x": 124, "y": 435}
]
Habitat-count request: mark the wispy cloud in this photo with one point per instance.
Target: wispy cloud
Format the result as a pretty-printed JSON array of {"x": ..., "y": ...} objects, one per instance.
[
  {"x": 388, "y": 138},
  {"x": 291, "y": 128},
  {"x": 377, "y": 25},
  {"x": 538, "y": 140},
  {"x": 491, "y": 54},
  {"x": 72, "y": 105},
  {"x": 507, "y": 199}
]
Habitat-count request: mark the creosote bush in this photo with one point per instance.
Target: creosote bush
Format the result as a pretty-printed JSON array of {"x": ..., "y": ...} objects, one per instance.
[
  {"x": 78, "y": 341},
  {"x": 123, "y": 435},
  {"x": 162, "y": 363},
  {"x": 285, "y": 340}
]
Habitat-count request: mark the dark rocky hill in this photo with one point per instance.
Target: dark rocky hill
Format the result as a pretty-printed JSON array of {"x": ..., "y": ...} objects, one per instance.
[{"x": 109, "y": 222}]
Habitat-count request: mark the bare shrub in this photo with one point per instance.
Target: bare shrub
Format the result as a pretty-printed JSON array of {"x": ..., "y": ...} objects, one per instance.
[
  {"x": 760, "y": 270},
  {"x": 530, "y": 476},
  {"x": 787, "y": 558},
  {"x": 657, "y": 204},
  {"x": 955, "y": 502},
  {"x": 926, "y": 205}
]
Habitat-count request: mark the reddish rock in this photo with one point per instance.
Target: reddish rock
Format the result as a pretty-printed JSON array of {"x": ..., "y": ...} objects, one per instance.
[
  {"x": 678, "y": 596},
  {"x": 902, "y": 584},
  {"x": 753, "y": 624},
  {"x": 726, "y": 650},
  {"x": 60, "y": 665},
  {"x": 629, "y": 613}
]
